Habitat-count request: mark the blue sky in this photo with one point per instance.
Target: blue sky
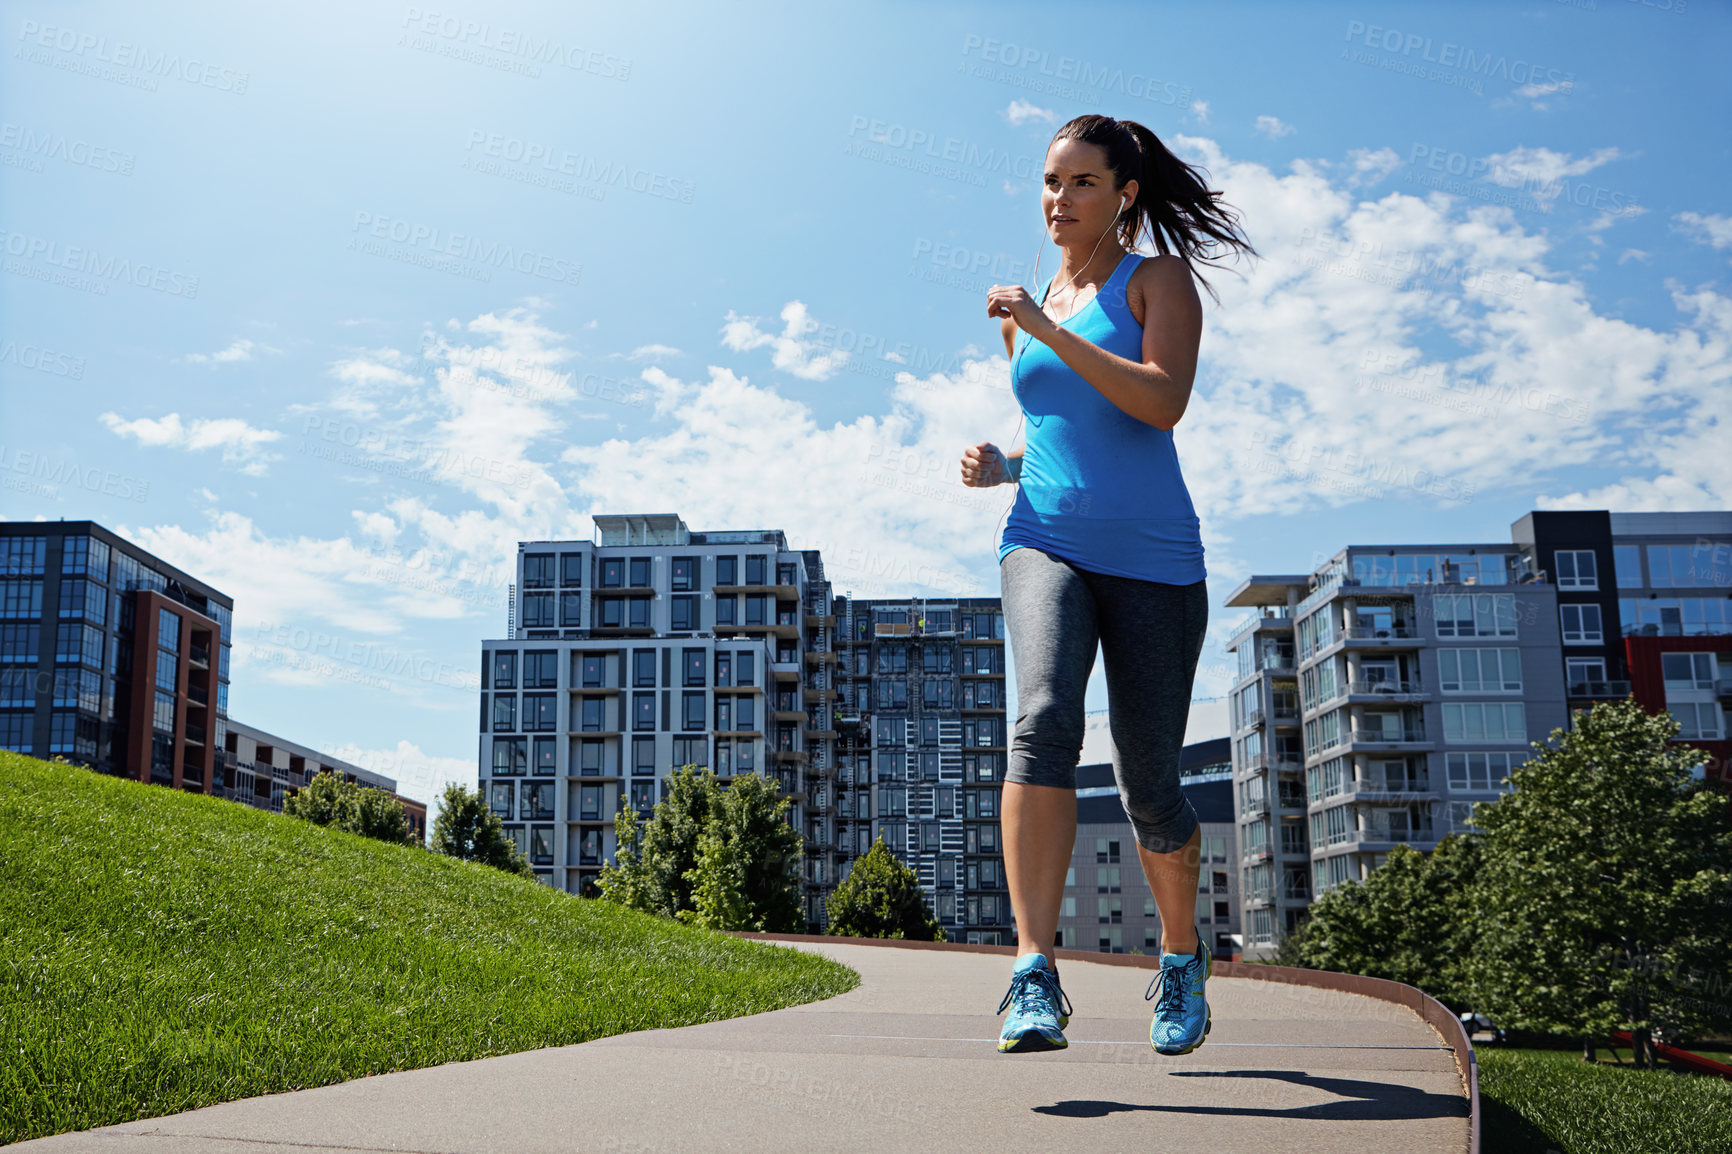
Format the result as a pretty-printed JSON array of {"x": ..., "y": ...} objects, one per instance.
[{"x": 333, "y": 303}]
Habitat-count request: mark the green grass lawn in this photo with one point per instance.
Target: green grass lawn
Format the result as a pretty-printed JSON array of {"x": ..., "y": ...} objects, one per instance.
[
  {"x": 1549, "y": 1100},
  {"x": 161, "y": 951}
]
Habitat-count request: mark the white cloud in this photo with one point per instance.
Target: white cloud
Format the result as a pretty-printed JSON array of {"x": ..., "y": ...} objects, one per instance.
[
  {"x": 1533, "y": 92},
  {"x": 792, "y": 351},
  {"x": 654, "y": 352},
  {"x": 1200, "y": 109},
  {"x": 1369, "y": 166},
  {"x": 241, "y": 444},
  {"x": 1273, "y": 128},
  {"x": 241, "y": 349},
  {"x": 419, "y": 775},
  {"x": 1631, "y": 254},
  {"x": 1706, "y": 228},
  {"x": 1021, "y": 112},
  {"x": 1543, "y": 174}
]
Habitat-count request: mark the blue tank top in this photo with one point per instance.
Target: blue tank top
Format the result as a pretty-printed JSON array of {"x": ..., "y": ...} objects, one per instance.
[{"x": 1100, "y": 489}]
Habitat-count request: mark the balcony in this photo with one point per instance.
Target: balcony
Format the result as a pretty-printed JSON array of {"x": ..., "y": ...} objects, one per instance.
[
  {"x": 1376, "y": 836},
  {"x": 820, "y": 656},
  {"x": 1254, "y": 808},
  {"x": 199, "y": 655},
  {"x": 1383, "y": 634},
  {"x": 1379, "y": 740},
  {"x": 1386, "y": 690},
  {"x": 1283, "y": 715},
  {"x": 195, "y": 734},
  {"x": 1250, "y": 624},
  {"x": 1252, "y": 719},
  {"x": 1260, "y": 897},
  {"x": 1617, "y": 689},
  {"x": 198, "y": 694}
]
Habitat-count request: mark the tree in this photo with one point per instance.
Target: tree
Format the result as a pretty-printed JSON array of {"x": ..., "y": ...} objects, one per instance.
[
  {"x": 1605, "y": 896},
  {"x": 468, "y": 829},
  {"x": 881, "y": 898},
  {"x": 720, "y": 857},
  {"x": 330, "y": 800},
  {"x": 718, "y": 886},
  {"x": 1411, "y": 920}
]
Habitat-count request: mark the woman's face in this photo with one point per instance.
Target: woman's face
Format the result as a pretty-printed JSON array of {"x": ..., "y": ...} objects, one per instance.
[{"x": 1079, "y": 202}]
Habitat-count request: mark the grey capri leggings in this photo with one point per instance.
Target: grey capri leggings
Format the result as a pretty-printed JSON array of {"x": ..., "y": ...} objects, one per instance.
[{"x": 1151, "y": 635}]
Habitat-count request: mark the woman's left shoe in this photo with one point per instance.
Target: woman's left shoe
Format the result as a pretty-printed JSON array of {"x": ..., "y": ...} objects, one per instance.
[
  {"x": 1039, "y": 1009},
  {"x": 1182, "y": 1012}
]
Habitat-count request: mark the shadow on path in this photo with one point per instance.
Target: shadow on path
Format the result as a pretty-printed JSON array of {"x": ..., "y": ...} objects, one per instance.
[{"x": 1358, "y": 1101}]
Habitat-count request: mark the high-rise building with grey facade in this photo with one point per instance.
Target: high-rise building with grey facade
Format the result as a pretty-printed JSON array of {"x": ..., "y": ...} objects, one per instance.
[
  {"x": 1383, "y": 694},
  {"x": 654, "y": 646}
]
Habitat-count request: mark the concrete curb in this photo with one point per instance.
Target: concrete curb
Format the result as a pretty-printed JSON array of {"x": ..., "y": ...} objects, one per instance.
[{"x": 1428, "y": 1008}]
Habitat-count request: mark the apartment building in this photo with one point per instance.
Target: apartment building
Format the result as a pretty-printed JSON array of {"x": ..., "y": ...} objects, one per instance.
[
  {"x": 1107, "y": 902},
  {"x": 655, "y": 646},
  {"x": 264, "y": 770},
  {"x": 921, "y": 717},
  {"x": 1382, "y": 695},
  {"x": 111, "y": 657}
]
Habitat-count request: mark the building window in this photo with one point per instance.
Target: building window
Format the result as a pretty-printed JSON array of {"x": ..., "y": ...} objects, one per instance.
[
  {"x": 1575, "y": 569},
  {"x": 589, "y": 758},
  {"x": 571, "y": 570},
  {"x": 504, "y": 670},
  {"x": 1479, "y": 670},
  {"x": 593, "y": 719},
  {"x": 538, "y": 570},
  {"x": 504, "y": 712},
  {"x": 1686, "y": 671},
  {"x": 541, "y": 845},
  {"x": 684, "y": 575},
  {"x": 612, "y": 573},
  {"x": 643, "y": 756},
  {"x": 538, "y": 611},
  {"x": 546, "y": 757},
  {"x": 499, "y": 798},
  {"x": 590, "y": 669},
  {"x": 1581, "y": 624},
  {"x": 693, "y": 663},
  {"x": 1474, "y": 721},
  {"x": 570, "y": 610},
  {"x": 640, "y": 572},
  {"x": 1480, "y": 771},
  {"x": 540, "y": 669},
  {"x": 643, "y": 711},
  {"x": 540, "y": 712},
  {"x": 755, "y": 569},
  {"x": 727, "y": 608},
  {"x": 684, "y": 613},
  {"x": 509, "y": 756},
  {"x": 743, "y": 668},
  {"x": 692, "y": 706},
  {"x": 643, "y": 667},
  {"x": 535, "y": 800},
  {"x": 1681, "y": 566},
  {"x": 727, "y": 569},
  {"x": 1698, "y": 721},
  {"x": 1474, "y": 614},
  {"x": 1581, "y": 672},
  {"x": 694, "y": 751}
]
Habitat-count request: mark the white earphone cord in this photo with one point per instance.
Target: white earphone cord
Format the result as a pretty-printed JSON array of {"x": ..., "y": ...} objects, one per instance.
[{"x": 1124, "y": 204}]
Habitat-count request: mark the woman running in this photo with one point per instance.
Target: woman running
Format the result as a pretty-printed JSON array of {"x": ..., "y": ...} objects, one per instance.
[{"x": 1102, "y": 547}]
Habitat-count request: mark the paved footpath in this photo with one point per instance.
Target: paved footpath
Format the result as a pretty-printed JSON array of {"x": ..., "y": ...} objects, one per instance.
[{"x": 907, "y": 1061}]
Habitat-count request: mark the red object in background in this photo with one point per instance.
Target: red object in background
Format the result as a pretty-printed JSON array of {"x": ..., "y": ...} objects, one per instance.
[
  {"x": 1648, "y": 683},
  {"x": 1694, "y": 1062}
]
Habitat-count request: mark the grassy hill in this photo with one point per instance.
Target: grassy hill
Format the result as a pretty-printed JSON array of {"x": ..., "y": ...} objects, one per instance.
[{"x": 161, "y": 951}]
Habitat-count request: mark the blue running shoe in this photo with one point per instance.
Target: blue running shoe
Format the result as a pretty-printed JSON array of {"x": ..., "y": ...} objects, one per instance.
[
  {"x": 1039, "y": 1010},
  {"x": 1182, "y": 1013}
]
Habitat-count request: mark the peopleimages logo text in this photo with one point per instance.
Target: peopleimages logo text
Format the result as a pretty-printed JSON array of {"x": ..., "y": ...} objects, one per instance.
[
  {"x": 1452, "y": 55},
  {"x": 134, "y": 56},
  {"x": 466, "y": 247},
  {"x": 93, "y": 263}
]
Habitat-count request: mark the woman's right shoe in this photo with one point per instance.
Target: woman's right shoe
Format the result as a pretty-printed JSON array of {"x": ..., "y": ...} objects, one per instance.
[{"x": 1039, "y": 1010}]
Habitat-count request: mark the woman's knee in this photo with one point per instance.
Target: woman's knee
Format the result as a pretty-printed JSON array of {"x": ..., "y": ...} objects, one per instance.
[
  {"x": 1050, "y": 721},
  {"x": 1163, "y": 823}
]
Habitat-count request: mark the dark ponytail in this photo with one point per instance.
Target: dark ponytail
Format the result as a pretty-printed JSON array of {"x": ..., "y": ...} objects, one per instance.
[{"x": 1173, "y": 203}]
